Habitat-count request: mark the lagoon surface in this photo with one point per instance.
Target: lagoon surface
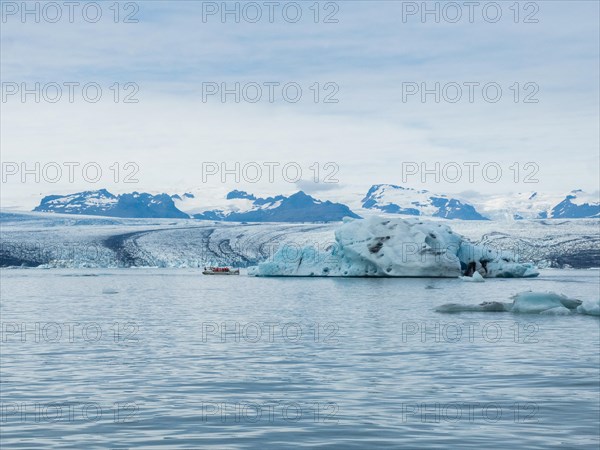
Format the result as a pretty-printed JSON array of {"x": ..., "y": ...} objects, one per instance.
[{"x": 168, "y": 358}]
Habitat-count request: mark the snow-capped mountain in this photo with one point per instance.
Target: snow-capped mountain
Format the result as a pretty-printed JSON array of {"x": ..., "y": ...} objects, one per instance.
[
  {"x": 534, "y": 205},
  {"x": 577, "y": 205},
  {"x": 299, "y": 207},
  {"x": 103, "y": 203},
  {"x": 522, "y": 205},
  {"x": 393, "y": 199},
  {"x": 181, "y": 197},
  {"x": 239, "y": 207}
]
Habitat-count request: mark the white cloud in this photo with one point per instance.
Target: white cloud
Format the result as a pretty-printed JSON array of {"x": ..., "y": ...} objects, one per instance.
[{"x": 369, "y": 133}]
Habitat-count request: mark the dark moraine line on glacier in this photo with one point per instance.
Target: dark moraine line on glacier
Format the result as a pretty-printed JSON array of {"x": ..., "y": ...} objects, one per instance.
[
  {"x": 225, "y": 250},
  {"x": 257, "y": 243},
  {"x": 222, "y": 252},
  {"x": 265, "y": 246},
  {"x": 118, "y": 243},
  {"x": 130, "y": 253}
]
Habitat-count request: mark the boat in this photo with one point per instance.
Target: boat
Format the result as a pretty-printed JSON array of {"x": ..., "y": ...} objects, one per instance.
[{"x": 220, "y": 271}]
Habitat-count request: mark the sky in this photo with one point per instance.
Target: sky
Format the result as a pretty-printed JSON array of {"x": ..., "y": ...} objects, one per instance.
[{"x": 352, "y": 113}]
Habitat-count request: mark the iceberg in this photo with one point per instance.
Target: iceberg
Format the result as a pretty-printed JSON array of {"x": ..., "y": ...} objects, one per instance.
[
  {"x": 392, "y": 247},
  {"x": 482, "y": 307},
  {"x": 541, "y": 302},
  {"x": 546, "y": 303},
  {"x": 475, "y": 278},
  {"x": 590, "y": 308},
  {"x": 109, "y": 291}
]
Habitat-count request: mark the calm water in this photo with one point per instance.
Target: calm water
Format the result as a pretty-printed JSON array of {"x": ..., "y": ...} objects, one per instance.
[{"x": 171, "y": 359}]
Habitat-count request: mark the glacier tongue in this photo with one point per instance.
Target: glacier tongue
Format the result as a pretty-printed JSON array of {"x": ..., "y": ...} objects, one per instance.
[{"x": 393, "y": 247}]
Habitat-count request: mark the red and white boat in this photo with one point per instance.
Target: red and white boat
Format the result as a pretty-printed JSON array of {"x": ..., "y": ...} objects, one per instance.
[{"x": 220, "y": 271}]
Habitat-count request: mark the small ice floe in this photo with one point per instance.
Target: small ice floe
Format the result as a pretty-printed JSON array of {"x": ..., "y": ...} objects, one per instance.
[
  {"x": 543, "y": 302},
  {"x": 109, "y": 291},
  {"x": 476, "y": 278},
  {"x": 482, "y": 307},
  {"x": 547, "y": 303},
  {"x": 431, "y": 286},
  {"x": 590, "y": 308}
]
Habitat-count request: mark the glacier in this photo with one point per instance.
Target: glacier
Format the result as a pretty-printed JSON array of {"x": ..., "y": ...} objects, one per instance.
[
  {"x": 393, "y": 247},
  {"x": 37, "y": 239}
]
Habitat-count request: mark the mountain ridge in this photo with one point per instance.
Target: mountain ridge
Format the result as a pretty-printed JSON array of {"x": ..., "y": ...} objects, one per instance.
[{"x": 241, "y": 206}]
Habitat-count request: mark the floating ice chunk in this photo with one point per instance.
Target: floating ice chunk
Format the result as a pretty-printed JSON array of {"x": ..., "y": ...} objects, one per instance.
[
  {"x": 393, "y": 247},
  {"x": 558, "y": 311},
  {"x": 475, "y": 278},
  {"x": 531, "y": 271},
  {"x": 482, "y": 307},
  {"x": 537, "y": 302},
  {"x": 528, "y": 302},
  {"x": 590, "y": 307}
]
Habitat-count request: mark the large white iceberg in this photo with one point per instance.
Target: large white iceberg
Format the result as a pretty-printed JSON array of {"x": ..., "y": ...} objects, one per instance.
[{"x": 393, "y": 247}]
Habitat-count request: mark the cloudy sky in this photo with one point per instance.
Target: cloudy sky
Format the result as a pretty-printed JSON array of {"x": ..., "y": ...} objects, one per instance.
[{"x": 370, "y": 60}]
